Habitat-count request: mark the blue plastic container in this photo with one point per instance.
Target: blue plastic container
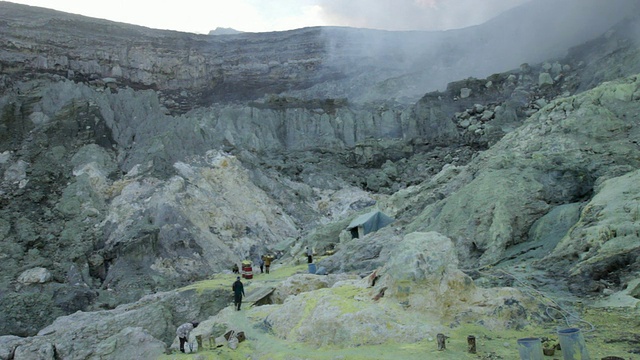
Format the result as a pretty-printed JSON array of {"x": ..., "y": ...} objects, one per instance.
[
  {"x": 572, "y": 344},
  {"x": 530, "y": 349},
  {"x": 312, "y": 268}
]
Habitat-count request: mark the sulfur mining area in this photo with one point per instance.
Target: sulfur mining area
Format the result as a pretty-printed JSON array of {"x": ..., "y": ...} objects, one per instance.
[{"x": 461, "y": 194}]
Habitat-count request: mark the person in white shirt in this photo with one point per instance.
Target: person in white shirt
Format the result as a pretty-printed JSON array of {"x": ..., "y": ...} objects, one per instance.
[{"x": 183, "y": 332}]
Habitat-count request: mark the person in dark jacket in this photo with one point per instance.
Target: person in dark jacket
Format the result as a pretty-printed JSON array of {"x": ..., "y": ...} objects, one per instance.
[
  {"x": 238, "y": 293},
  {"x": 309, "y": 255},
  {"x": 183, "y": 332}
]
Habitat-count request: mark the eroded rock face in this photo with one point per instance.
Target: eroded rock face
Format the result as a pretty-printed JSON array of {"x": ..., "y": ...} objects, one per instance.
[
  {"x": 555, "y": 157},
  {"x": 604, "y": 244},
  {"x": 204, "y": 220},
  {"x": 127, "y": 170},
  {"x": 312, "y": 63}
]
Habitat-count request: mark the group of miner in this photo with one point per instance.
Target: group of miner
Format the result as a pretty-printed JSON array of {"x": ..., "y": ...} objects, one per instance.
[{"x": 185, "y": 329}]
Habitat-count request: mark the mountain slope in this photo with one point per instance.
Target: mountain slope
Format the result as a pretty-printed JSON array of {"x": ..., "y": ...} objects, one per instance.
[{"x": 137, "y": 160}]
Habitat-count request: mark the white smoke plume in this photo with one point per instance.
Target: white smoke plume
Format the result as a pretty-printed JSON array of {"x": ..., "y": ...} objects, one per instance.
[
  {"x": 413, "y": 14},
  {"x": 422, "y": 61}
]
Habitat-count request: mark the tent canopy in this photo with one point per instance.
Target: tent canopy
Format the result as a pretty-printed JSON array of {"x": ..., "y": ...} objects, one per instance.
[{"x": 371, "y": 221}]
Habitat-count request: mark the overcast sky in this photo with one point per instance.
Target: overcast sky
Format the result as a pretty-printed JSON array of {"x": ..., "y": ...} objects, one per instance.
[{"x": 201, "y": 16}]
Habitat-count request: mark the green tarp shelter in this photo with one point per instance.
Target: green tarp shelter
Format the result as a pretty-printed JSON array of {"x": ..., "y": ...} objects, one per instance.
[{"x": 367, "y": 223}]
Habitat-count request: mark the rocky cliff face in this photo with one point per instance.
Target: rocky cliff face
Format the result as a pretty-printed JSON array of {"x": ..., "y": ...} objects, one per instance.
[
  {"x": 315, "y": 63},
  {"x": 137, "y": 160}
]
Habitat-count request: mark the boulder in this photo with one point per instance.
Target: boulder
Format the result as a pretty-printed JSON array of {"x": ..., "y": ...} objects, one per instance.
[
  {"x": 545, "y": 79},
  {"x": 423, "y": 274},
  {"x": 5, "y": 156},
  {"x": 427, "y": 262},
  {"x": 35, "y": 276},
  {"x": 8, "y": 345},
  {"x": 421, "y": 257},
  {"x": 541, "y": 103},
  {"x": 41, "y": 350},
  {"x": 346, "y": 315},
  {"x": 38, "y": 118},
  {"x": 556, "y": 68},
  {"x": 16, "y": 172},
  {"x": 301, "y": 283},
  {"x": 487, "y": 115},
  {"x": 130, "y": 343}
]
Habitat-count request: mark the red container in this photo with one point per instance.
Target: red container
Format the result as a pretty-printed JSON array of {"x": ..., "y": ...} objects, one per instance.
[{"x": 247, "y": 271}]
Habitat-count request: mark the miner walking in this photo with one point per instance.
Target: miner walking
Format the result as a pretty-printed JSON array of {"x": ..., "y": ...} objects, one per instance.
[{"x": 238, "y": 293}]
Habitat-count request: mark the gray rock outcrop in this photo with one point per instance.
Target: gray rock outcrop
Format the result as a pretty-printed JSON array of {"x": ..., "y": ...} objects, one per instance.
[
  {"x": 143, "y": 329},
  {"x": 35, "y": 276},
  {"x": 605, "y": 238},
  {"x": 555, "y": 157}
]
